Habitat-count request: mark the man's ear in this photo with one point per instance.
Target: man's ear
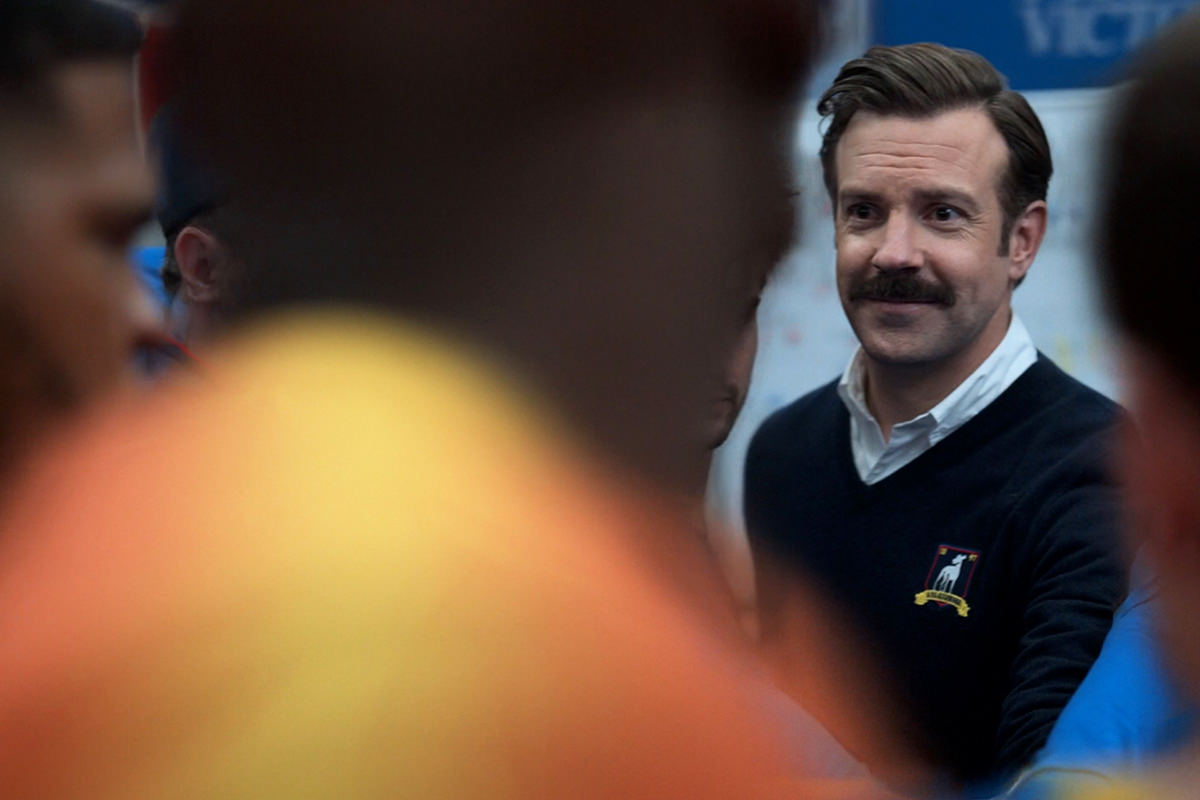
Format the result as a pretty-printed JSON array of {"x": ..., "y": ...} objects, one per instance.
[
  {"x": 1025, "y": 239},
  {"x": 201, "y": 260}
]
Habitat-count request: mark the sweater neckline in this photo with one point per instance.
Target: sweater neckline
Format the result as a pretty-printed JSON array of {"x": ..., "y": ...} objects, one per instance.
[{"x": 1011, "y": 408}]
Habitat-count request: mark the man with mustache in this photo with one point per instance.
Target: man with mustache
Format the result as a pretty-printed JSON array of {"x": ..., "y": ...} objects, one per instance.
[{"x": 949, "y": 491}]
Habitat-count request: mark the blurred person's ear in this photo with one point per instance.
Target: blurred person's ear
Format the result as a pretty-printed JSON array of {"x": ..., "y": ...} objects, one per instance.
[{"x": 201, "y": 260}]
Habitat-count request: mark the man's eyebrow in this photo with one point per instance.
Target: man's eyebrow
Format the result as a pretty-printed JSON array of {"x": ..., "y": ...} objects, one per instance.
[
  {"x": 949, "y": 196},
  {"x": 855, "y": 193}
]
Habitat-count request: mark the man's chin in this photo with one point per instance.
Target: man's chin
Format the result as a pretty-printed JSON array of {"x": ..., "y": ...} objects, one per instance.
[
  {"x": 900, "y": 354},
  {"x": 720, "y": 423},
  {"x": 910, "y": 344},
  {"x": 715, "y": 436}
]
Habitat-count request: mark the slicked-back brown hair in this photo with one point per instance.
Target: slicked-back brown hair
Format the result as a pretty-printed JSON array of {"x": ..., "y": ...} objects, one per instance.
[{"x": 923, "y": 80}]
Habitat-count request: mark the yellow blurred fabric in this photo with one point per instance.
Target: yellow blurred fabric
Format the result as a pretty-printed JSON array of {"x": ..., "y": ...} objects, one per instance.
[
  {"x": 355, "y": 562},
  {"x": 1175, "y": 779},
  {"x": 1130, "y": 789}
]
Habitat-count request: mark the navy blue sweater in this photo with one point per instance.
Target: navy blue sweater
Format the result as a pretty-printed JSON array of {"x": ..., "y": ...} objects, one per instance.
[{"x": 983, "y": 575}]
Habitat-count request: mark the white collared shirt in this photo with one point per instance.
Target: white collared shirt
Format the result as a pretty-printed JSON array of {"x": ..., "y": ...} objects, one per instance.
[{"x": 876, "y": 459}]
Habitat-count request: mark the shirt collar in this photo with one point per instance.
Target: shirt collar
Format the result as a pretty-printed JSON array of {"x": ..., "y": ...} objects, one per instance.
[
  {"x": 1015, "y": 354},
  {"x": 851, "y": 388}
]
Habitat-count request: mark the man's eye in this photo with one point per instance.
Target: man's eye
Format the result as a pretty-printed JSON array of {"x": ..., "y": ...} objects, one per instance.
[
  {"x": 859, "y": 211},
  {"x": 946, "y": 214},
  {"x": 118, "y": 240},
  {"x": 116, "y": 230}
]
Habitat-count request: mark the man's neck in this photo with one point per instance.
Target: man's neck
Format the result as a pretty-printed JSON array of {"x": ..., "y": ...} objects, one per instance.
[{"x": 896, "y": 393}]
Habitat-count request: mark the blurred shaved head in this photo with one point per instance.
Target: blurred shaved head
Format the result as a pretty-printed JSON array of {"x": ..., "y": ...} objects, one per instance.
[{"x": 589, "y": 189}]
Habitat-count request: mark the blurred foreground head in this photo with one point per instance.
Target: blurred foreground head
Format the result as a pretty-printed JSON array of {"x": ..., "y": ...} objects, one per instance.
[
  {"x": 1149, "y": 251},
  {"x": 593, "y": 191},
  {"x": 73, "y": 191}
]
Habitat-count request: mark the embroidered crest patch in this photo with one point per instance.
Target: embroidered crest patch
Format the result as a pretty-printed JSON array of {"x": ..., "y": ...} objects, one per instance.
[{"x": 949, "y": 578}]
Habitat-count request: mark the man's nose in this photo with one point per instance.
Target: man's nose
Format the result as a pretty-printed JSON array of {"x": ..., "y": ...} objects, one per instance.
[
  {"x": 900, "y": 247},
  {"x": 146, "y": 320}
]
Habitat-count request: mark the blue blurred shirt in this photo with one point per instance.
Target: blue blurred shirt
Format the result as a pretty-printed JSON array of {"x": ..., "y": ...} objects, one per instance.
[
  {"x": 147, "y": 264},
  {"x": 1127, "y": 713}
]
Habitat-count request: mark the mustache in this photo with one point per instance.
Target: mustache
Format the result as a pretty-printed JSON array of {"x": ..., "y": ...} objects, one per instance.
[{"x": 902, "y": 288}]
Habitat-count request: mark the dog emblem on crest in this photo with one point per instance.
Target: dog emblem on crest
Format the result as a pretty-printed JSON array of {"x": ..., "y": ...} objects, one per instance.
[{"x": 953, "y": 567}]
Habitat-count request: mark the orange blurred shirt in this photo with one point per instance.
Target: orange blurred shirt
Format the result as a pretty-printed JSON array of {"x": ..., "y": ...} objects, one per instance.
[{"x": 356, "y": 563}]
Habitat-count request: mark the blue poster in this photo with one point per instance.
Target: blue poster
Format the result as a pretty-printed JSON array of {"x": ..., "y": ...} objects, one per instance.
[{"x": 1037, "y": 44}]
